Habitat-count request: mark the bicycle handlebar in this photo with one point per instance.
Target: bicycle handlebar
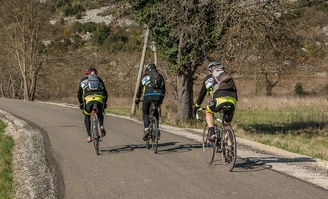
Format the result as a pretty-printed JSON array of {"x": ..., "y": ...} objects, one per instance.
[{"x": 197, "y": 111}]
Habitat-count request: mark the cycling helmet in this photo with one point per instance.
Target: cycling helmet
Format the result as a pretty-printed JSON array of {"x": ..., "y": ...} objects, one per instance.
[
  {"x": 91, "y": 70},
  {"x": 216, "y": 65},
  {"x": 150, "y": 67}
]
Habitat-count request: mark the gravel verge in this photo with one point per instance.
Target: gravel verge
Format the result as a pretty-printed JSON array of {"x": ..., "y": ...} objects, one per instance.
[{"x": 34, "y": 175}]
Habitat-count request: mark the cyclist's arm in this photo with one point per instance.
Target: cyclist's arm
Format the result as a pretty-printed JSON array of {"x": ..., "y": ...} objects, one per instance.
[
  {"x": 79, "y": 94},
  {"x": 164, "y": 89},
  {"x": 202, "y": 94},
  {"x": 139, "y": 89},
  {"x": 105, "y": 94}
]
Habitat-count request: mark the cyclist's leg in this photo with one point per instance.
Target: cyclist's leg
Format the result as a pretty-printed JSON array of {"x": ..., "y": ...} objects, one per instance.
[
  {"x": 100, "y": 115},
  {"x": 228, "y": 115},
  {"x": 211, "y": 108},
  {"x": 146, "y": 106},
  {"x": 158, "y": 101},
  {"x": 87, "y": 113}
]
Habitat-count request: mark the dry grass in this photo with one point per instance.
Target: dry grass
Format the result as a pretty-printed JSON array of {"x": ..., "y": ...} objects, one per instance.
[{"x": 275, "y": 103}]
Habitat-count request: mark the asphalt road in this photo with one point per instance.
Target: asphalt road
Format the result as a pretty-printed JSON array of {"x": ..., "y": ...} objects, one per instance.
[{"x": 125, "y": 169}]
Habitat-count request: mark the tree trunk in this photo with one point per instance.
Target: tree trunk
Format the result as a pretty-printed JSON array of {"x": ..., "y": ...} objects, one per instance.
[
  {"x": 269, "y": 88},
  {"x": 33, "y": 87},
  {"x": 185, "y": 95}
]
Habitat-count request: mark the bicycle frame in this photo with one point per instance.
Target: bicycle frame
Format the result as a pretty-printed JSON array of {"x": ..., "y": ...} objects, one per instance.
[{"x": 224, "y": 142}]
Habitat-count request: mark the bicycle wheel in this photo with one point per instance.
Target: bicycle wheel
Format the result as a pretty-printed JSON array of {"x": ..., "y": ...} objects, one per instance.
[
  {"x": 95, "y": 134},
  {"x": 209, "y": 147},
  {"x": 229, "y": 148},
  {"x": 148, "y": 138},
  {"x": 154, "y": 135}
]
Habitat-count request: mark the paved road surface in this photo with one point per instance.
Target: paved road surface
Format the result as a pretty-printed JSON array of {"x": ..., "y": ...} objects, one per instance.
[{"x": 127, "y": 170}]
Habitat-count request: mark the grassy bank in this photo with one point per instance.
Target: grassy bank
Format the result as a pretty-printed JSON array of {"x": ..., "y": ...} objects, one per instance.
[
  {"x": 301, "y": 130},
  {"x": 295, "y": 124},
  {"x": 6, "y": 170}
]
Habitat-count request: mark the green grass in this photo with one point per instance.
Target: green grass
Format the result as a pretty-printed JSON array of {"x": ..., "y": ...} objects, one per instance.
[
  {"x": 6, "y": 170},
  {"x": 301, "y": 130}
]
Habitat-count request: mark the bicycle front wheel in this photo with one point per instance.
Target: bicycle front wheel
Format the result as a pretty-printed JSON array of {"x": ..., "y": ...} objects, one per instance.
[
  {"x": 229, "y": 148},
  {"x": 209, "y": 147}
]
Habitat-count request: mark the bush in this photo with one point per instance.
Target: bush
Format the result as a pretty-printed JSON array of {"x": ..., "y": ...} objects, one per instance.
[
  {"x": 73, "y": 10},
  {"x": 299, "y": 89},
  {"x": 78, "y": 16},
  {"x": 61, "y": 3},
  {"x": 101, "y": 34},
  {"x": 85, "y": 27},
  {"x": 123, "y": 40}
]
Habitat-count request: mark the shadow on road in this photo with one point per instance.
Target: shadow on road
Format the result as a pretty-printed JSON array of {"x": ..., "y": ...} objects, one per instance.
[
  {"x": 252, "y": 164},
  {"x": 132, "y": 147},
  {"x": 179, "y": 148},
  {"x": 163, "y": 148}
]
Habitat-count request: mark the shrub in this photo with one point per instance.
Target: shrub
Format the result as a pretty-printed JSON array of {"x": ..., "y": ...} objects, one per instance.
[
  {"x": 101, "y": 34},
  {"x": 85, "y": 27},
  {"x": 73, "y": 10},
  {"x": 299, "y": 89}
]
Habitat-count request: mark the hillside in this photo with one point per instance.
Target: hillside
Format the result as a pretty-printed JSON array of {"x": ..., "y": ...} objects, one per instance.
[{"x": 106, "y": 34}]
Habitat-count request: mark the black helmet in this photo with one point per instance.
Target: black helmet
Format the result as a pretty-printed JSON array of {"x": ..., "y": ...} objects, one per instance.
[
  {"x": 217, "y": 65},
  {"x": 150, "y": 67}
]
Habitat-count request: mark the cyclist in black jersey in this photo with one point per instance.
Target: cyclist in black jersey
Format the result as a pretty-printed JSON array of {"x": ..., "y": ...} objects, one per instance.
[
  {"x": 92, "y": 91},
  {"x": 152, "y": 87}
]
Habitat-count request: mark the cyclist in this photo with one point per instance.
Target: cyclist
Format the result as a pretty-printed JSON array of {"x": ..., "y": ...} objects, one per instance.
[
  {"x": 222, "y": 91},
  {"x": 152, "y": 86},
  {"x": 92, "y": 91}
]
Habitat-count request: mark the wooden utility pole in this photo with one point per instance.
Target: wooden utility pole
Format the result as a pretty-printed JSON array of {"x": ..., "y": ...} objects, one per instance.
[
  {"x": 155, "y": 54},
  {"x": 142, "y": 61}
]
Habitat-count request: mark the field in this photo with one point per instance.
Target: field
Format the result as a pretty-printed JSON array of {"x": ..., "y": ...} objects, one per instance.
[
  {"x": 6, "y": 178},
  {"x": 296, "y": 124}
]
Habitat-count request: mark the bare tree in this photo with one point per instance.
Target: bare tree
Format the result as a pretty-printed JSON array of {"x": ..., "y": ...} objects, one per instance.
[{"x": 23, "y": 22}]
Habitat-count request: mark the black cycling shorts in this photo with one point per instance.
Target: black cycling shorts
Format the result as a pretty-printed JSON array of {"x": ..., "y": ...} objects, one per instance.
[{"x": 214, "y": 106}]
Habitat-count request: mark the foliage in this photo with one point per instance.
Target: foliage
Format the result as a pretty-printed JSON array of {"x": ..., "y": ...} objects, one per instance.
[
  {"x": 6, "y": 164},
  {"x": 183, "y": 31},
  {"x": 299, "y": 89},
  {"x": 123, "y": 40},
  {"x": 71, "y": 10},
  {"x": 101, "y": 34},
  {"x": 85, "y": 27}
]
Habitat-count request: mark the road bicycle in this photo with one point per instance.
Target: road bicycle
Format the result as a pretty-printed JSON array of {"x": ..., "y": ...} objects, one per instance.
[
  {"x": 95, "y": 129},
  {"x": 223, "y": 141},
  {"x": 153, "y": 136}
]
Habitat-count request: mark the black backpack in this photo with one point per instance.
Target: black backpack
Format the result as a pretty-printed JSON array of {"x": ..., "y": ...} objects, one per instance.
[{"x": 155, "y": 79}]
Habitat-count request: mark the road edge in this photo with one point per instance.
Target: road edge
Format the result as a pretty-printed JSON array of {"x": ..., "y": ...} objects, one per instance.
[{"x": 34, "y": 175}]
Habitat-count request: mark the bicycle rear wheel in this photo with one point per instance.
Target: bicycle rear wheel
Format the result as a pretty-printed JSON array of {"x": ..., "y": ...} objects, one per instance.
[
  {"x": 154, "y": 135},
  {"x": 95, "y": 133},
  {"x": 229, "y": 149},
  {"x": 209, "y": 147}
]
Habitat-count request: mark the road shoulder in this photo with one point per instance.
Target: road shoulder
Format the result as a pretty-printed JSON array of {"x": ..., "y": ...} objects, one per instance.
[{"x": 34, "y": 173}]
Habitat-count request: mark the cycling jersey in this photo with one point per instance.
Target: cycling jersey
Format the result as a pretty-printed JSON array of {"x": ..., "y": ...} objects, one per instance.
[
  {"x": 146, "y": 90},
  {"x": 209, "y": 85},
  {"x": 85, "y": 95}
]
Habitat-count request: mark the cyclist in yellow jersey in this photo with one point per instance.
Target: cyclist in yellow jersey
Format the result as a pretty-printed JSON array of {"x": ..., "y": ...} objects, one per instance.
[
  {"x": 92, "y": 91},
  {"x": 223, "y": 92}
]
